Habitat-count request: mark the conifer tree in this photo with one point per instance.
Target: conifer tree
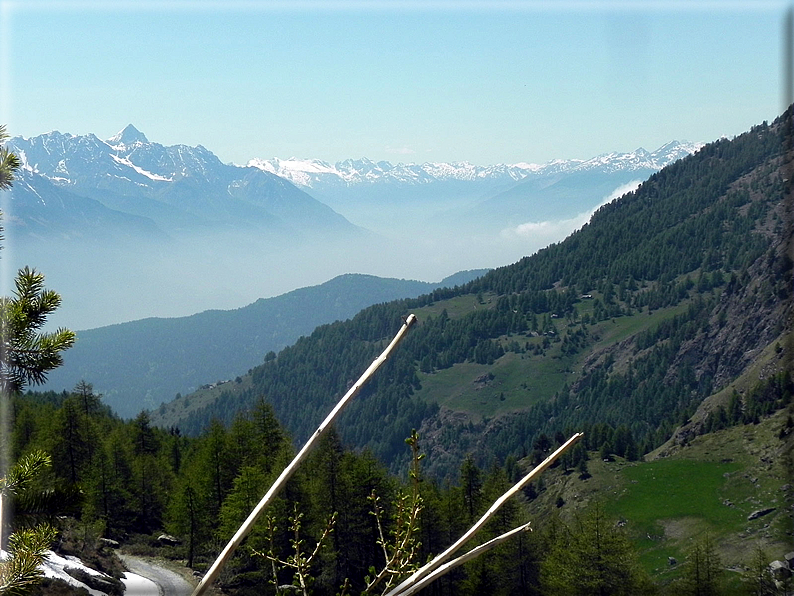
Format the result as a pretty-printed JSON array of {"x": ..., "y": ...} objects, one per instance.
[
  {"x": 20, "y": 572},
  {"x": 26, "y": 355},
  {"x": 9, "y": 162},
  {"x": 759, "y": 578},
  {"x": 592, "y": 556},
  {"x": 471, "y": 485},
  {"x": 703, "y": 570}
]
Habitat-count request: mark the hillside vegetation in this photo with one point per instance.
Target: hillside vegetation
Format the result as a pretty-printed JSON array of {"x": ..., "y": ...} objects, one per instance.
[
  {"x": 663, "y": 298},
  {"x": 708, "y": 479},
  {"x": 141, "y": 364}
]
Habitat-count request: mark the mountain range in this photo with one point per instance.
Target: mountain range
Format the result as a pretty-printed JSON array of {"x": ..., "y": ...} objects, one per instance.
[
  {"x": 510, "y": 193},
  {"x": 179, "y": 188},
  {"x": 313, "y": 173},
  {"x": 126, "y": 228},
  {"x": 141, "y": 364}
]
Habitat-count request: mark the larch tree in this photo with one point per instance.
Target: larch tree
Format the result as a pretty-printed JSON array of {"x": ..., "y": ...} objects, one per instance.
[{"x": 592, "y": 557}]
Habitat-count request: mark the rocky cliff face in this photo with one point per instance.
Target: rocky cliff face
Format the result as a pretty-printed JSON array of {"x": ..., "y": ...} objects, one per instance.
[{"x": 755, "y": 308}]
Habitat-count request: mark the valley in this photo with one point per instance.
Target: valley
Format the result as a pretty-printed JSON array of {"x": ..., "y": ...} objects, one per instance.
[
  {"x": 577, "y": 219},
  {"x": 661, "y": 329},
  {"x": 147, "y": 230}
]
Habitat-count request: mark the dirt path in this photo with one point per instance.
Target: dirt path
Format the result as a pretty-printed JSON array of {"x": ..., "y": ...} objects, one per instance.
[{"x": 168, "y": 583}]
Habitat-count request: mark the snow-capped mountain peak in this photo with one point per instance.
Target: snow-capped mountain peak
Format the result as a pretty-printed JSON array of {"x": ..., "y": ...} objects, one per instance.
[
  {"x": 309, "y": 173},
  {"x": 129, "y": 135}
]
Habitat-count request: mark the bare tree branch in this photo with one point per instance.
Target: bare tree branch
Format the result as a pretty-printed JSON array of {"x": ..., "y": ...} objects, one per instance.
[
  {"x": 439, "y": 560},
  {"x": 472, "y": 554},
  {"x": 290, "y": 469}
]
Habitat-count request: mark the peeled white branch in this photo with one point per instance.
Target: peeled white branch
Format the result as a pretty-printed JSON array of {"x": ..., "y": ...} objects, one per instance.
[
  {"x": 472, "y": 554},
  {"x": 439, "y": 560},
  {"x": 290, "y": 469}
]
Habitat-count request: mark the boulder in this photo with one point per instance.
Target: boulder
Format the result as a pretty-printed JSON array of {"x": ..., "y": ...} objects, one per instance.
[
  {"x": 760, "y": 513},
  {"x": 109, "y": 542},
  {"x": 779, "y": 570},
  {"x": 168, "y": 540}
]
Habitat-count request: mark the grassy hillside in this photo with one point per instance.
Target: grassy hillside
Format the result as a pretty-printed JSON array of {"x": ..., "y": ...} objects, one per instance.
[
  {"x": 695, "y": 485},
  {"x": 528, "y": 372},
  {"x": 711, "y": 486}
]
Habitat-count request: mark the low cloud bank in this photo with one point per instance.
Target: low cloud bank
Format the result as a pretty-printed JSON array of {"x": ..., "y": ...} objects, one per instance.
[{"x": 555, "y": 230}]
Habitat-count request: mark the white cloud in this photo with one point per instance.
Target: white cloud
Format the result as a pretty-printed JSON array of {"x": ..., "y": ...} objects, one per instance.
[
  {"x": 555, "y": 230},
  {"x": 620, "y": 191}
]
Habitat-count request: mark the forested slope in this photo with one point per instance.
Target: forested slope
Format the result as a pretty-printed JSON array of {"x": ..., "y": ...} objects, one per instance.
[
  {"x": 661, "y": 299},
  {"x": 141, "y": 364}
]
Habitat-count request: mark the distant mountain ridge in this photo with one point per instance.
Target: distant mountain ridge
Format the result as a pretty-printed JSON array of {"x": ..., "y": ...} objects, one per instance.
[
  {"x": 177, "y": 187},
  {"x": 182, "y": 188},
  {"x": 309, "y": 173},
  {"x": 143, "y": 229},
  {"x": 128, "y": 228},
  {"x": 474, "y": 199},
  {"x": 140, "y": 364}
]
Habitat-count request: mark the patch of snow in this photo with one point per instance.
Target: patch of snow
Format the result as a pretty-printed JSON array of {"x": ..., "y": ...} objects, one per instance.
[
  {"x": 54, "y": 566},
  {"x": 137, "y": 585},
  {"x": 34, "y": 191},
  {"x": 23, "y": 161},
  {"x": 307, "y": 173},
  {"x": 126, "y": 162}
]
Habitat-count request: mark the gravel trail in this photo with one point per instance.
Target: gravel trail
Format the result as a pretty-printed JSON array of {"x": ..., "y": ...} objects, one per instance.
[{"x": 167, "y": 582}]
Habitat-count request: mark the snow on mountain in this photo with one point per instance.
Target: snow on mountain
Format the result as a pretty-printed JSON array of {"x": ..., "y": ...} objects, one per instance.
[
  {"x": 69, "y": 159},
  {"x": 640, "y": 159},
  {"x": 297, "y": 171},
  {"x": 127, "y": 137},
  {"x": 178, "y": 187},
  {"x": 126, "y": 162},
  {"x": 56, "y": 155},
  {"x": 309, "y": 173}
]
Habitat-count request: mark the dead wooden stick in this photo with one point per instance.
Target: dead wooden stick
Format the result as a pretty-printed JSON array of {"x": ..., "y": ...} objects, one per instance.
[
  {"x": 290, "y": 469},
  {"x": 439, "y": 560},
  {"x": 472, "y": 554}
]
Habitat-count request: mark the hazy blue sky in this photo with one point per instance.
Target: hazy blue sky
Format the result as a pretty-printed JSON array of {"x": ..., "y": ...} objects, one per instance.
[{"x": 521, "y": 81}]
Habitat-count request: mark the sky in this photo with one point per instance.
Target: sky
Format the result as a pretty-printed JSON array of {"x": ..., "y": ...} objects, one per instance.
[{"x": 487, "y": 83}]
